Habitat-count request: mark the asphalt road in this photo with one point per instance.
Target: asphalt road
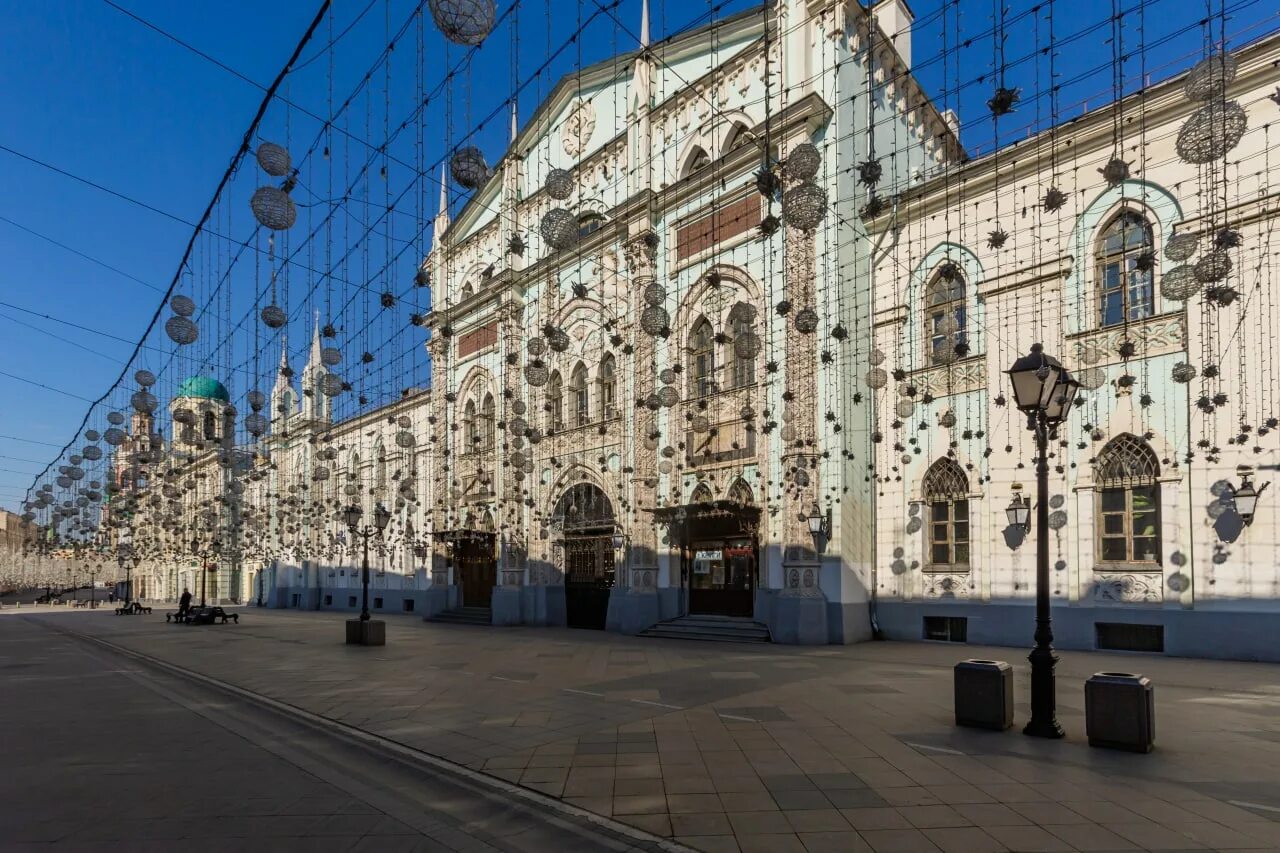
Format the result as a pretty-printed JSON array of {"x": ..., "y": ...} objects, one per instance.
[{"x": 104, "y": 751}]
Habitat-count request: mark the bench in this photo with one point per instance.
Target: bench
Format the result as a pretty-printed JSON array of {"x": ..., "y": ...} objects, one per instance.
[
  {"x": 205, "y": 616},
  {"x": 134, "y": 609}
]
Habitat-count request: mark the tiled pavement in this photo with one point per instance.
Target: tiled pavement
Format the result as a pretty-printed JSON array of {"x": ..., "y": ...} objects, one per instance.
[{"x": 772, "y": 748}]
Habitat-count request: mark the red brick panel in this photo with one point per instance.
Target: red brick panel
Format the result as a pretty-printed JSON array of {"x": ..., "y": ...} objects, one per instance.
[
  {"x": 718, "y": 226},
  {"x": 477, "y": 339}
]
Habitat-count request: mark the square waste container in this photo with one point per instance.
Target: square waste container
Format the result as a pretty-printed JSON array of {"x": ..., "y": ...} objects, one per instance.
[
  {"x": 1120, "y": 711},
  {"x": 984, "y": 694}
]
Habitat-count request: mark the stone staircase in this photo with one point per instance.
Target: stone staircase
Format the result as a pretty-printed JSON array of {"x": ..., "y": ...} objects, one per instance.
[
  {"x": 718, "y": 629},
  {"x": 465, "y": 616}
]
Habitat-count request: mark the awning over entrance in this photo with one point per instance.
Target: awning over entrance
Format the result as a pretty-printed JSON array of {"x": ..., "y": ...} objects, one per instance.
[{"x": 734, "y": 517}]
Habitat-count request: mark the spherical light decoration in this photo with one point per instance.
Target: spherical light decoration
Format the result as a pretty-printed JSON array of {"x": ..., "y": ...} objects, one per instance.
[
  {"x": 404, "y": 438},
  {"x": 143, "y": 401},
  {"x": 1183, "y": 372},
  {"x": 184, "y": 416},
  {"x": 877, "y": 378},
  {"x": 519, "y": 407},
  {"x": 273, "y": 317},
  {"x": 905, "y": 407},
  {"x": 1211, "y": 131},
  {"x": 558, "y": 340},
  {"x": 255, "y": 424},
  {"x": 803, "y": 162},
  {"x": 806, "y": 320},
  {"x": 320, "y": 473},
  {"x": 517, "y": 426},
  {"x": 804, "y": 206},
  {"x": 114, "y": 436},
  {"x": 274, "y": 159},
  {"x": 877, "y": 357},
  {"x": 75, "y": 472},
  {"x": 1181, "y": 247},
  {"x": 559, "y": 228},
  {"x": 664, "y": 467},
  {"x": 182, "y": 305},
  {"x": 330, "y": 356},
  {"x": 331, "y": 385},
  {"x": 654, "y": 294},
  {"x": 468, "y": 167},
  {"x": 788, "y": 434},
  {"x": 1210, "y": 77},
  {"x": 1092, "y": 378},
  {"x": 63, "y": 481},
  {"x": 536, "y": 374},
  {"x": 747, "y": 345},
  {"x": 1179, "y": 283},
  {"x": 273, "y": 208},
  {"x": 145, "y": 378},
  {"x": 668, "y": 396},
  {"x": 92, "y": 453},
  {"x": 91, "y": 435},
  {"x": 1213, "y": 266},
  {"x": 181, "y": 330},
  {"x": 948, "y": 419},
  {"x": 654, "y": 320},
  {"x": 536, "y": 347},
  {"x": 256, "y": 400},
  {"x": 559, "y": 184},
  {"x": 464, "y": 22},
  {"x": 667, "y": 376},
  {"x": 700, "y": 424}
]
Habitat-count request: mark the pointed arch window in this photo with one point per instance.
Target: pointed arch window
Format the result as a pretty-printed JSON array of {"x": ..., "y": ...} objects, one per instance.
[
  {"x": 210, "y": 426},
  {"x": 742, "y": 325},
  {"x": 697, "y": 159},
  {"x": 470, "y": 428},
  {"x": 580, "y": 395},
  {"x": 739, "y": 136},
  {"x": 702, "y": 358},
  {"x": 946, "y": 498},
  {"x": 555, "y": 401},
  {"x": 946, "y": 321},
  {"x": 701, "y": 494},
  {"x": 1128, "y": 502},
  {"x": 740, "y": 493},
  {"x": 487, "y": 411},
  {"x": 380, "y": 470},
  {"x": 1125, "y": 292},
  {"x": 607, "y": 382}
]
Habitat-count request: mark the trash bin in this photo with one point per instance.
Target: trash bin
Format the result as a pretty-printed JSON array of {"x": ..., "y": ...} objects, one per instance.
[
  {"x": 1120, "y": 711},
  {"x": 984, "y": 694}
]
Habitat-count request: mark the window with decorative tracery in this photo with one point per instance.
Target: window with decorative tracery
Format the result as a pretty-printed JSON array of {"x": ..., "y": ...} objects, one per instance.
[
  {"x": 1128, "y": 502},
  {"x": 702, "y": 358},
  {"x": 742, "y": 326},
  {"x": 945, "y": 318},
  {"x": 470, "y": 428},
  {"x": 487, "y": 413},
  {"x": 607, "y": 385},
  {"x": 701, "y": 494},
  {"x": 946, "y": 497},
  {"x": 580, "y": 397},
  {"x": 555, "y": 401},
  {"x": 740, "y": 493},
  {"x": 1125, "y": 292}
]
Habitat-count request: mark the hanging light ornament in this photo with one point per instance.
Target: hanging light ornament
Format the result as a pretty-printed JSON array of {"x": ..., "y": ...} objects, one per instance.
[
  {"x": 655, "y": 320},
  {"x": 465, "y": 22},
  {"x": 1179, "y": 283},
  {"x": 273, "y": 208},
  {"x": 331, "y": 385},
  {"x": 1210, "y": 77},
  {"x": 1211, "y": 131},
  {"x": 181, "y": 330},
  {"x": 536, "y": 373},
  {"x": 668, "y": 396},
  {"x": 804, "y": 206},
  {"x": 559, "y": 228},
  {"x": 747, "y": 345},
  {"x": 404, "y": 438},
  {"x": 1213, "y": 266},
  {"x": 114, "y": 436},
  {"x": 806, "y": 320},
  {"x": 557, "y": 339},
  {"x": 145, "y": 378},
  {"x": 92, "y": 453},
  {"x": 559, "y": 184},
  {"x": 91, "y": 435},
  {"x": 330, "y": 356},
  {"x": 182, "y": 305},
  {"x": 803, "y": 162},
  {"x": 655, "y": 294},
  {"x": 274, "y": 159},
  {"x": 468, "y": 167},
  {"x": 1181, "y": 247},
  {"x": 143, "y": 401},
  {"x": 1092, "y": 378},
  {"x": 877, "y": 378},
  {"x": 256, "y": 399},
  {"x": 1183, "y": 372},
  {"x": 255, "y": 424}
]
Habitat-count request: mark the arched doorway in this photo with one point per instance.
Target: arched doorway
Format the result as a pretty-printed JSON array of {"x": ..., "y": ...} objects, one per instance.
[
  {"x": 584, "y": 515},
  {"x": 475, "y": 559}
]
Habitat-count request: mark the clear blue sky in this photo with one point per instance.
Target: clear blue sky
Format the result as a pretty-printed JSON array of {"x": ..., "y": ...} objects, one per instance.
[{"x": 97, "y": 94}]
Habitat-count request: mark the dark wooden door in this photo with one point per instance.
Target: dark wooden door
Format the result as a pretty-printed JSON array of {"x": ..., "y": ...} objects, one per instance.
[
  {"x": 477, "y": 571},
  {"x": 588, "y": 579},
  {"x": 726, "y": 586}
]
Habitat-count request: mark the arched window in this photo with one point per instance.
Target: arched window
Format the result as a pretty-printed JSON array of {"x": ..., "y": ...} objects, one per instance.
[
  {"x": 607, "y": 382},
  {"x": 589, "y": 223},
  {"x": 739, "y": 136},
  {"x": 470, "y": 428},
  {"x": 380, "y": 469},
  {"x": 581, "y": 396},
  {"x": 1125, "y": 292},
  {"x": 945, "y": 318},
  {"x": 1128, "y": 501},
  {"x": 697, "y": 159},
  {"x": 744, "y": 344},
  {"x": 466, "y": 293},
  {"x": 702, "y": 357},
  {"x": 740, "y": 493},
  {"x": 210, "y": 426},
  {"x": 555, "y": 401},
  {"x": 946, "y": 497},
  {"x": 701, "y": 494},
  {"x": 487, "y": 423}
]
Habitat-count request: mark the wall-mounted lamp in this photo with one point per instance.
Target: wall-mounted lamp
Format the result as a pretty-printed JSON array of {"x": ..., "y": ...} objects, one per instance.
[
  {"x": 1246, "y": 497},
  {"x": 1019, "y": 509},
  {"x": 819, "y": 524}
]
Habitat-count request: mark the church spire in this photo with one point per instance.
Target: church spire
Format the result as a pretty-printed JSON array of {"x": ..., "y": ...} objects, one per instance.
[
  {"x": 282, "y": 396},
  {"x": 644, "y": 23},
  {"x": 441, "y": 223}
]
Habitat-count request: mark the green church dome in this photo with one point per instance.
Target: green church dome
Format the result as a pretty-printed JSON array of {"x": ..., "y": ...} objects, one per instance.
[{"x": 205, "y": 387}]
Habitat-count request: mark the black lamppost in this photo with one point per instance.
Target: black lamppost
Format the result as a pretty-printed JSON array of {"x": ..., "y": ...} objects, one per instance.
[
  {"x": 135, "y": 560},
  {"x": 1044, "y": 390},
  {"x": 381, "y": 517},
  {"x": 206, "y": 566}
]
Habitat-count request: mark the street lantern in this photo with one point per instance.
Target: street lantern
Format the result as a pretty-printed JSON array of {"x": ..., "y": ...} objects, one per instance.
[
  {"x": 1042, "y": 386},
  {"x": 618, "y": 539},
  {"x": 819, "y": 524},
  {"x": 1246, "y": 497},
  {"x": 351, "y": 515},
  {"x": 381, "y": 517},
  {"x": 1019, "y": 510}
]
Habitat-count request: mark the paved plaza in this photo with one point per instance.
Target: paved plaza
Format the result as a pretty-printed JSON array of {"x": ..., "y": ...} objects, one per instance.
[{"x": 740, "y": 747}]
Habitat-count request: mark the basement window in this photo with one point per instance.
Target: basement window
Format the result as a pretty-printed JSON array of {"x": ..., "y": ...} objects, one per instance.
[
  {"x": 946, "y": 629},
  {"x": 1129, "y": 637}
]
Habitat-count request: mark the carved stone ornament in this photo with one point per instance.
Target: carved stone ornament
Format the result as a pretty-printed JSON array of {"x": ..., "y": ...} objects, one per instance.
[
  {"x": 576, "y": 131},
  {"x": 1128, "y": 587},
  {"x": 946, "y": 586}
]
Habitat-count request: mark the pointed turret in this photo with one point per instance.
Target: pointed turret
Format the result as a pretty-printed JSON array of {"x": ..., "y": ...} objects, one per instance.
[
  {"x": 283, "y": 399},
  {"x": 440, "y": 224},
  {"x": 316, "y": 405},
  {"x": 639, "y": 100},
  {"x": 644, "y": 23}
]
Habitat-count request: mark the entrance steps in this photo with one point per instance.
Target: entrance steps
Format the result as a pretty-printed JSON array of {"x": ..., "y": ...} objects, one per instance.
[
  {"x": 465, "y": 616},
  {"x": 719, "y": 629}
]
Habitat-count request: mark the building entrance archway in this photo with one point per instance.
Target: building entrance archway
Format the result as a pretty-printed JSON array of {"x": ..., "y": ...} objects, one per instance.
[{"x": 584, "y": 516}]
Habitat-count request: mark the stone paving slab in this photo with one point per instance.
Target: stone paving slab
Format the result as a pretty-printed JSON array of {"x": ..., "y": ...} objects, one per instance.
[{"x": 727, "y": 747}]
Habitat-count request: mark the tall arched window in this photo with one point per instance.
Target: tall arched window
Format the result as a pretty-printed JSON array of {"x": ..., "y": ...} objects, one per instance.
[
  {"x": 470, "y": 429},
  {"x": 607, "y": 382},
  {"x": 555, "y": 401},
  {"x": 740, "y": 493},
  {"x": 946, "y": 497},
  {"x": 1125, "y": 292},
  {"x": 945, "y": 318},
  {"x": 487, "y": 422},
  {"x": 744, "y": 344},
  {"x": 701, "y": 494},
  {"x": 380, "y": 470},
  {"x": 702, "y": 357},
  {"x": 210, "y": 426},
  {"x": 1128, "y": 501},
  {"x": 580, "y": 395}
]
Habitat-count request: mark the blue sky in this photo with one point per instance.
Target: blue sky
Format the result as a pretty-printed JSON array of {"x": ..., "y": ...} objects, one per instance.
[{"x": 97, "y": 94}]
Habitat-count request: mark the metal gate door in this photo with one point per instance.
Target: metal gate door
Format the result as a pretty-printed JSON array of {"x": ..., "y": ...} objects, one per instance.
[{"x": 587, "y": 580}]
